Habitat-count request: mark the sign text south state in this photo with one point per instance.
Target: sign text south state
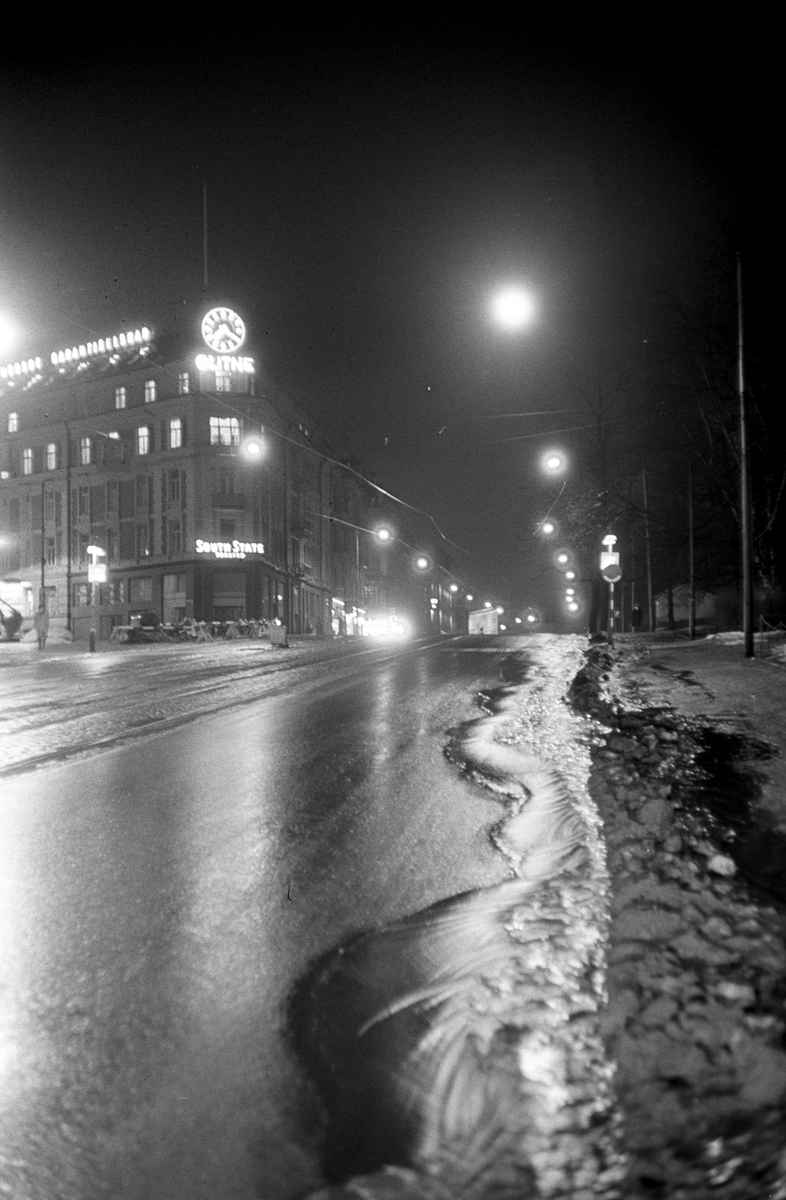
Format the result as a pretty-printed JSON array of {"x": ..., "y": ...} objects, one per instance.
[{"x": 233, "y": 549}]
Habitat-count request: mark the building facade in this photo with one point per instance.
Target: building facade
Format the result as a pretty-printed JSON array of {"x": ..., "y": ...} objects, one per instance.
[{"x": 173, "y": 460}]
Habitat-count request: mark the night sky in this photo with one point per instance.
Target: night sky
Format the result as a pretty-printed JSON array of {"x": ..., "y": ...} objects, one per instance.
[{"x": 369, "y": 187}]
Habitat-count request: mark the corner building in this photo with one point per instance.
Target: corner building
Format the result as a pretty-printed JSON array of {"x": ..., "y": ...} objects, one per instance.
[{"x": 138, "y": 443}]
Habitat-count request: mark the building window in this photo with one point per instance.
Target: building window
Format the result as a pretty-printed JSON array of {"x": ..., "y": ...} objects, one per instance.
[
  {"x": 223, "y": 381},
  {"x": 81, "y": 594},
  {"x": 142, "y": 541},
  {"x": 85, "y": 451},
  {"x": 49, "y": 506},
  {"x": 83, "y": 502},
  {"x": 143, "y": 440},
  {"x": 111, "y": 495},
  {"x": 27, "y": 461},
  {"x": 116, "y": 592},
  {"x": 51, "y": 456},
  {"x": 175, "y": 433},
  {"x": 50, "y": 552},
  {"x": 150, "y": 391},
  {"x": 13, "y": 422},
  {"x": 183, "y": 383},
  {"x": 175, "y": 536},
  {"x": 174, "y": 485},
  {"x": 226, "y": 483},
  {"x": 140, "y": 591},
  {"x": 120, "y": 397},
  {"x": 224, "y": 431}
]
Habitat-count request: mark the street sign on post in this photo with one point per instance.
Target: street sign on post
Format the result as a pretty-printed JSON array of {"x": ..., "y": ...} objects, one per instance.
[{"x": 611, "y": 571}]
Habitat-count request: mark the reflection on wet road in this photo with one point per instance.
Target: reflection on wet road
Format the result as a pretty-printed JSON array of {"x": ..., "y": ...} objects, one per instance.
[{"x": 158, "y": 901}]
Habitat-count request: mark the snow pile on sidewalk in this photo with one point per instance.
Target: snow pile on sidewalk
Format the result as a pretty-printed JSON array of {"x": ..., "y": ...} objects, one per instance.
[{"x": 697, "y": 968}]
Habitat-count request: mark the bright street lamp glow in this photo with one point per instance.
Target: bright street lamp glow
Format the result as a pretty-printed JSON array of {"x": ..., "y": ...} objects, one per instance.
[
  {"x": 518, "y": 620},
  {"x": 383, "y": 534},
  {"x": 487, "y": 603},
  {"x": 547, "y": 527},
  {"x": 500, "y": 610},
  {"x": 7, "y": 336},
  {"x": 570, "y": 574},
  {"x": 422, "y": 563},
  {"x": 254, "y": 448},
  {"x": 573, "y": 606},
  {"x": 531, "y": 617},
  {"x": 513, "y": 308},
  {"x": 470, "y": 597},
  {"x": 562, "y": 558},
  {"x": 553, "y": 462}
]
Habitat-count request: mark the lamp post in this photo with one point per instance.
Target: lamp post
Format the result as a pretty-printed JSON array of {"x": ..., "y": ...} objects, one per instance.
[
  {"x": 96, "y": 575},
  {"x": 746, "y": 507}
]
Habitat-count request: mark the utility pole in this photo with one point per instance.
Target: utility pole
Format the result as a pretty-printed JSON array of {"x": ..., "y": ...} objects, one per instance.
[
  {"x": 648, "y": 553},
  {"x": 745, "y": 484},
  {"x": 691, "y": 563}
]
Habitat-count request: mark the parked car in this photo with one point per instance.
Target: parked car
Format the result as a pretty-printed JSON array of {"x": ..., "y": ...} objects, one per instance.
[{"x": 11, "y": 620}]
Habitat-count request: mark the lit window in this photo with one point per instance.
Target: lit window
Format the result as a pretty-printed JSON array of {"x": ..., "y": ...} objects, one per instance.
[
  {"x": 51, "y": 456},
  {"x": 223, "y": 381},
  {"x": 5, "y": 474},
  {"x": 143, "y": 440},
  {"x": 174, "y": 485},
  {"x": 150, "y": 391},
  {"x": 27, "y": 461},
  {"x": 175, "y": 433},
  {"x": 120, "y": 397},
  {"x": 13, "y": 422},
  {"x": 224, "y": 431},
  {"x": 85, "y": 451},
  {"x": 183, "y": 383}
]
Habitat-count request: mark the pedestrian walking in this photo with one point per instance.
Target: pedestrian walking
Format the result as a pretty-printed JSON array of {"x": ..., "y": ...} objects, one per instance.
[
  {"x": 41, "y": 624},
  {"x": 635, "y": 618}
]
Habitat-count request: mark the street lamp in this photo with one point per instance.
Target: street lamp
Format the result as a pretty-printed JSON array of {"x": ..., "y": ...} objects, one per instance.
[
  {"x": 254, "y": 448},
  {"x": 7, "y": 336},
  {"x": 513, "y": 308},
  {"x": 553, "y": 462}
]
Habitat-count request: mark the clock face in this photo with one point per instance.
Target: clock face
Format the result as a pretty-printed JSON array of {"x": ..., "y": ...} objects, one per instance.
[{"x": 223, "y": 330}]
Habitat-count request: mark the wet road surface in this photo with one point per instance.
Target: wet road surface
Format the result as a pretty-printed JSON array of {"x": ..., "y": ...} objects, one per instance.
[{"x": 159, "y": 899}]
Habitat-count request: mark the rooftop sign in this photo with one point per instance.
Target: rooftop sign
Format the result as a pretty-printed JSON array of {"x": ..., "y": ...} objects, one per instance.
[
  {"x": 229, "y": 364},
  {"x": 118, "y": 341}
]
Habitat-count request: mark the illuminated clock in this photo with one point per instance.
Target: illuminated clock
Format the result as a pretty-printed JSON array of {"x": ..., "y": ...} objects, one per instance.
[{"x": 223, "y": 330}]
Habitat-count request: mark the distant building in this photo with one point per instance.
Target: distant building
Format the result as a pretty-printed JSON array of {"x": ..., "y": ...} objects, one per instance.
[{"x": 140, "y": 443}]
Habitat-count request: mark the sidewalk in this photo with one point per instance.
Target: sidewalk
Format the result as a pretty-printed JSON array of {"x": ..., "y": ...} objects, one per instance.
[{"x": 712, "y": 679}]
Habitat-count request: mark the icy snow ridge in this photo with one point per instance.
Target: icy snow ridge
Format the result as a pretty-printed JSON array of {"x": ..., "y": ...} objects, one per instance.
[{"x": 490, "y": 1045}]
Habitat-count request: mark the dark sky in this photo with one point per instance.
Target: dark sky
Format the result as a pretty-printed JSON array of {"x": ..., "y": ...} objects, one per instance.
[{"x": 369, "y": 187}]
